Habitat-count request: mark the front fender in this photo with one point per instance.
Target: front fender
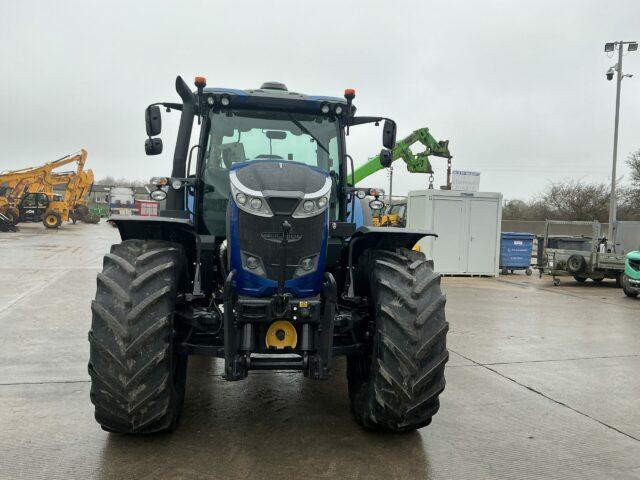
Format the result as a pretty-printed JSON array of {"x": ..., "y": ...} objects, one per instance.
[
  {"x": 176, "y": 230},
  {"x": 387, "y": 238},
  {"x": 153, "y": 228}
]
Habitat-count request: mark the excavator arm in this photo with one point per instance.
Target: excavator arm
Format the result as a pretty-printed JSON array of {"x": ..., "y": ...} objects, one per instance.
[{"x": 416, "y": 163}]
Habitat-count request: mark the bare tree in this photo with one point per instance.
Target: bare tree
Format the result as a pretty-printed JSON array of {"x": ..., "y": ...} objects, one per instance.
[
  {"x": 575, "y": 200},
  {"x": 119, "y": 182},
  {"x": 633, "y": 160}
]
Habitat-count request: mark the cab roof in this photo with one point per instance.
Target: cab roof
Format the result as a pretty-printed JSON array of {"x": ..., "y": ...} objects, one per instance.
[{"x": 271, "y": 95}]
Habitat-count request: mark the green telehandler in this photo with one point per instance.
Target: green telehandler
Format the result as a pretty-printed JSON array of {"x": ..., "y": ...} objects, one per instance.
[{"x": 416, "y": 163}]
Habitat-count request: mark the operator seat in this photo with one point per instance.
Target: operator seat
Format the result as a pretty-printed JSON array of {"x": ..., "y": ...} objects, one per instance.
[{"x": 233, "y": 153}]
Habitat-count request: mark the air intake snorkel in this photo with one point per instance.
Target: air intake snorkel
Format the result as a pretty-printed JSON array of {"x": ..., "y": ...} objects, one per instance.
[{"x": 175, "y": 199}]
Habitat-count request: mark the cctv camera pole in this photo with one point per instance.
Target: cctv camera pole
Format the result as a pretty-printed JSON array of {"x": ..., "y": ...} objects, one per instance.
[{"x": 612, "y": 199}]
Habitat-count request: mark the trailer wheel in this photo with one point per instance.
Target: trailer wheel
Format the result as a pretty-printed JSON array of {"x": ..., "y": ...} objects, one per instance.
[
  {"x": 396, "y": 387},
  {"x": 580, "y": 279},
  {"x": 137, "y": 376},
  {"x": 528, "y": 272},
  {"x": 575, "y": 264},
  {"x": 52, "y": 220}
]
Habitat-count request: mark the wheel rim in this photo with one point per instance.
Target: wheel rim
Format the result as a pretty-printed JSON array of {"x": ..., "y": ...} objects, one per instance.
[{"x": 51, "y": 220}]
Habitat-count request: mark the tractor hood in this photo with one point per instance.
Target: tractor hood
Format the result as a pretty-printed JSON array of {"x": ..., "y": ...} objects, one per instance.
[{"x": 280, "y": 175}]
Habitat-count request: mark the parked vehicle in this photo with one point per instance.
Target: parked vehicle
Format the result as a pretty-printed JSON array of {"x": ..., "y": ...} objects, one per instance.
[
  {"x": 586, "y": 258},
  {"x": 631, "y": 277},
  {"x": 255, "y": 260}
]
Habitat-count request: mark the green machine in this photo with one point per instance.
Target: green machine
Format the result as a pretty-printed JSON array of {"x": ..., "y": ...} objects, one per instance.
[
  {"x": 631, "y": 277},
  {"x": 416, "y": 163}
]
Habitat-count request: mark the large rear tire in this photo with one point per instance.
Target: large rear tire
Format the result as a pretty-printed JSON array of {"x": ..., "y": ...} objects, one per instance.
[
  {"x": 396, "y": 387},
  {"x": 137, "y": 376}
]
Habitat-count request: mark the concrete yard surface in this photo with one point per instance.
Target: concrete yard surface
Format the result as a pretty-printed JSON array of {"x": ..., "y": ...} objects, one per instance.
[{"x": 543, "y": 382}]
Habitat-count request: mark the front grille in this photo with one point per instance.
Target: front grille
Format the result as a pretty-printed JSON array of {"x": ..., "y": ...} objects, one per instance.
[
  {"x": 283, "y": 206},
  {"x": 635, "y": 264},
  {"x": 262, "y": 236}
]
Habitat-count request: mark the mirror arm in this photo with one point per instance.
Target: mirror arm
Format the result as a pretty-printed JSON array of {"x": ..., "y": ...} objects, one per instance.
[
  {"x": 168, "y": 105},
  {"x": 171, "y": 106},
  {"x": 362, "y": 120}
]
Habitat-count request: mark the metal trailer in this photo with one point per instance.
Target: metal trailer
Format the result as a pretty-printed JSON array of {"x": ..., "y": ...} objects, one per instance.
[{"x": 594, "y": 263}]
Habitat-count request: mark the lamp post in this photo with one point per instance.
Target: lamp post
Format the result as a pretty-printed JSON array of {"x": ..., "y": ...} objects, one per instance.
[{"x": 610, "y": 47}]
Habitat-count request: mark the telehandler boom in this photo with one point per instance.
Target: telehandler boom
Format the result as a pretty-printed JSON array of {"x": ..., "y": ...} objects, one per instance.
[{"x": 416, "y": 163}]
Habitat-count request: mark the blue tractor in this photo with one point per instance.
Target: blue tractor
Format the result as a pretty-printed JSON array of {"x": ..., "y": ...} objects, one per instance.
[{"x": 257, "y": 260}]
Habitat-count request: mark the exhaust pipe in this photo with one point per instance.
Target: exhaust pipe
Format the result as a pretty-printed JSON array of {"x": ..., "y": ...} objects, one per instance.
[{"x": 175, "y": 198}]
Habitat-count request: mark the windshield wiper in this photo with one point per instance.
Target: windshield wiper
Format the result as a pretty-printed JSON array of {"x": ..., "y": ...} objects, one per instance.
[{"x": 303, "y": 128}]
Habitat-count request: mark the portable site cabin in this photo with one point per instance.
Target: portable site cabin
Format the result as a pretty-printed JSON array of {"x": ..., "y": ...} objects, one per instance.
[{"x": 468, "y": 227}]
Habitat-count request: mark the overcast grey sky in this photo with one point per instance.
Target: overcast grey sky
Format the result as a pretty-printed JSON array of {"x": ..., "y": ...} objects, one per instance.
[{"x": 518, "y": 87}]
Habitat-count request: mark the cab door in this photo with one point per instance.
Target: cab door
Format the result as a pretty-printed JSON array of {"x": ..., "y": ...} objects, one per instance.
[{"x": 33, "y": 207}]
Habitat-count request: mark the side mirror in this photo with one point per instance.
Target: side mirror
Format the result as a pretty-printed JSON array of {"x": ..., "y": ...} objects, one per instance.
[
  {"x": 153, "y": 120},
  {"x": 153, "y": 146},
  {"x": 385, "y": 158},
  {"x": 389, "y": 134}
]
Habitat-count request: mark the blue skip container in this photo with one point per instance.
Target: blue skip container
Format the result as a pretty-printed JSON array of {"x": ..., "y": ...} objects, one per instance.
[{"x": 515, "y": 252}]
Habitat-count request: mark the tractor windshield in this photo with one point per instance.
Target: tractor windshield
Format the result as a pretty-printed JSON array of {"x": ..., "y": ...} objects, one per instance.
[
  {"x": 246, "y": 135},
  {"x": 239, "y": 136}
]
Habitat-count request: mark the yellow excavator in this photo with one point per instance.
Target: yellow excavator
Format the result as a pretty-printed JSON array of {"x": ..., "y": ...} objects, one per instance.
[
  {"x": 77, "y": 189},
  {"x": 29, "y": 195}
]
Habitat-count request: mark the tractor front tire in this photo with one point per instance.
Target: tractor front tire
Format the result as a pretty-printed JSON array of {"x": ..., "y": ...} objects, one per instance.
[
  {"x": 396, "y": 387},
  {"x": 137, "y": 376}
]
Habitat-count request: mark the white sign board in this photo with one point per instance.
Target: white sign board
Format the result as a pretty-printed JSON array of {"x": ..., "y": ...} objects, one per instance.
[{"x": 465, "y": 180}]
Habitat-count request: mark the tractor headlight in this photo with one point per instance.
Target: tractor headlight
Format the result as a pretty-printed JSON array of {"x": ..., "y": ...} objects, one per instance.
[
  {"x": 255, "y": 203},
  {"x": 308, "y": 206},
  {"x": 158, "y": 195},
  {"x": 376, "y": 205},
  {"x": 241, "y": 198},
  {"x": 338, "y": 109},
  {"x": 253, "y": 264},
  {"x": 250, "y": 201},
  {"x": 314, "y": 203},
  {"x": 306, "y": 266},
  {"x": 325, "y": 108}
]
